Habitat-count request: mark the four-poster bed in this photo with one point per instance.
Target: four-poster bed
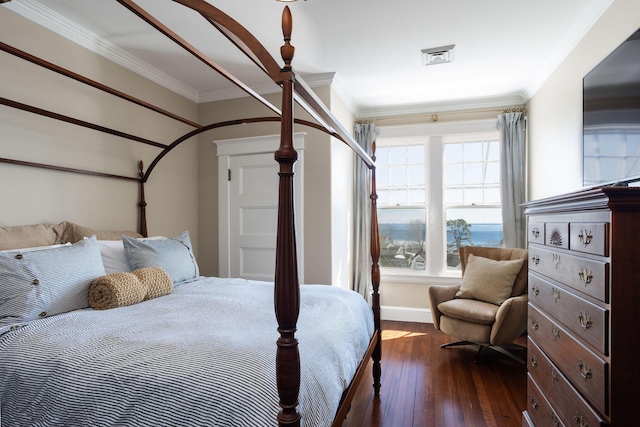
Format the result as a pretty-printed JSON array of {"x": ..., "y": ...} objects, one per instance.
[{"x": 286, "y": 288}]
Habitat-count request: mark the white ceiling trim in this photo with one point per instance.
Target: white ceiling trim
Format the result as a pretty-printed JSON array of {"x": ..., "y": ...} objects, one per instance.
[
  {"x": 66, "y": 28},
  {"x": 487, "y": 103},
  {"x": 587, "y": 18}
]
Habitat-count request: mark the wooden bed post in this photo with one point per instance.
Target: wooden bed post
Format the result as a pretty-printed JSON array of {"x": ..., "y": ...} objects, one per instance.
[
  {"x": 375, "y": 277},
  {"x": 142, "y": 204},
  {"x": 287, "y": 291}
]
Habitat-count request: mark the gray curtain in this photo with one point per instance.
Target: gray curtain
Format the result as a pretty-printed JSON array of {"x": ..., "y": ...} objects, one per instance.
[
  {"x": 365, "y": 135},
  {"x": 512, "y": 176}
]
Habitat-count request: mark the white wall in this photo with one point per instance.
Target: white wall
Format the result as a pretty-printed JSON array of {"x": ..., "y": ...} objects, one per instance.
[
  {"x": 30, "y": 195},
  {"x": 555, "y": 111},
  {"x": 342, "y": 170}
]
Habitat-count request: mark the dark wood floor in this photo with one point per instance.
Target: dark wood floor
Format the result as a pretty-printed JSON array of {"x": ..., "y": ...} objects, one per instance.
[{"x": 424, "y": 385}]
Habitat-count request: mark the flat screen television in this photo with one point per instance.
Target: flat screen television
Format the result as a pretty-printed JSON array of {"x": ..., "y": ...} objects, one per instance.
[{"x": 611, "y": 118}]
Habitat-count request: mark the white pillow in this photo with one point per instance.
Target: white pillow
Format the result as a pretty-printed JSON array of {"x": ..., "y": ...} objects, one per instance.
[{"x": 114, "y": 257}]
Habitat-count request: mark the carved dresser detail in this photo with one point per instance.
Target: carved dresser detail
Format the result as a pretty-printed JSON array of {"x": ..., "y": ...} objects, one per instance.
[{"x": 584, "y": 309}]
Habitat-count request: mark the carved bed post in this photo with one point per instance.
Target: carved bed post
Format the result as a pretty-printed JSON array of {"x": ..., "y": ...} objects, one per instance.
[
  {"x": 375, "y": 276},
  {"x": 142, "y": 204},
  {"x": 287, "y": 292}
]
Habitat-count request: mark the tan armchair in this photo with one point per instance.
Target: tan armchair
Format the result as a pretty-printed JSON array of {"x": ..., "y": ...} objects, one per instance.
[{"x": 499, "y": 315}]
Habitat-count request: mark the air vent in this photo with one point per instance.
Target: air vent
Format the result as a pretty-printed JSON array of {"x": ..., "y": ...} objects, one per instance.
[{"x": 438, "y": 55}]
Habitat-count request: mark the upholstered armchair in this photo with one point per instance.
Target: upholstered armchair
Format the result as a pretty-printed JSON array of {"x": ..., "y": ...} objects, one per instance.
[{"x": 489, "y": 307}]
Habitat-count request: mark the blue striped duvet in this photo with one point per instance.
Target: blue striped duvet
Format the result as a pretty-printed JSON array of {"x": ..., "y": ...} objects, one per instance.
[{"x": 201, "y": 356}]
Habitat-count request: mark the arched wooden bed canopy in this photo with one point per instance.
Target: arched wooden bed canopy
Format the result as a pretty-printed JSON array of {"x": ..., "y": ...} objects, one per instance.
[{"x": 294, "y": 89}]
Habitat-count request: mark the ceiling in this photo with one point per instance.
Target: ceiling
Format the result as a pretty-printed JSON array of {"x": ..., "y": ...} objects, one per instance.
[{"x": 370, "y": 51}]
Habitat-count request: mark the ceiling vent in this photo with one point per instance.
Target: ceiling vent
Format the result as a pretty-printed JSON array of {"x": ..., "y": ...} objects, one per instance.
[{"x": 438, "y": 55}]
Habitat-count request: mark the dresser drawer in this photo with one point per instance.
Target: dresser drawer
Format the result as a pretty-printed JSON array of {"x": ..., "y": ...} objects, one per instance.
[
  {"x": 536, "y": 232},
  {"x": 539, "y": 409},
  {"x": 572, "y": 409},
  {"x": 556, "y": 234},
  {"x": 585, "y": 275},
  {"x": 583, "y": 368},
  {"x": 591, "y": 238},
  {"x": 588, "y": 321}
]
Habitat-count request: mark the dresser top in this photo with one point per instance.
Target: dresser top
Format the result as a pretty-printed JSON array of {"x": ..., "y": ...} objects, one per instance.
[{"x": 615, "y": 198}]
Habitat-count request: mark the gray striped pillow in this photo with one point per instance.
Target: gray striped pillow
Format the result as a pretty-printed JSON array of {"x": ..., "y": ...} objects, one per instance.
[
  {"x": 45, "y": 282},
  {"x": 175, "y": 256}
]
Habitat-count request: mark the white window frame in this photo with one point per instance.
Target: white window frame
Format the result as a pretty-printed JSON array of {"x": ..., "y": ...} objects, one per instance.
[{"x": 433, "y": 136}]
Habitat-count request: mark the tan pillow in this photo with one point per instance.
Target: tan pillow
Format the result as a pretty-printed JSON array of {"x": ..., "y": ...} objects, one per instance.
[
  {"x": 488, "y": 280},
  {"x": 123, "y": 289},
  {"x": 27, "y": 236},
  {"x": 70, "y": 232}
]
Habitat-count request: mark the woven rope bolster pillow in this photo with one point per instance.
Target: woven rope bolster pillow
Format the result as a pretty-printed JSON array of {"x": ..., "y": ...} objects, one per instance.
[{"x": 123, "y": 289}]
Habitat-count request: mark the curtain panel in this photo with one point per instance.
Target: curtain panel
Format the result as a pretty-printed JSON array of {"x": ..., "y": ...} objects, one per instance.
[
  {"x": 512, "y": 177},
  {"x": 365, "y": 135}
]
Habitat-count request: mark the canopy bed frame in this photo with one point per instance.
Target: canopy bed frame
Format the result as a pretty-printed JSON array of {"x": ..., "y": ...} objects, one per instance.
[{"x": 294, "y": 89}]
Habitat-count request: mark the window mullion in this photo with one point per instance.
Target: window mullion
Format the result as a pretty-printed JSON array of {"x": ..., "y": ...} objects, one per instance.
[{"x": 436, "y": 243}]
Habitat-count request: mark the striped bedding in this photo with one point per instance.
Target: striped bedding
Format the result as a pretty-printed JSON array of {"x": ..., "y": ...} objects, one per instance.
[{"x": 201, "y": 356}]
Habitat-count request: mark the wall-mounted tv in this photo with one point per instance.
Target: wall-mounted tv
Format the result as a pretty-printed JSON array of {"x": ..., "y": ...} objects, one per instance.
[{"x": 611, "y": 117}]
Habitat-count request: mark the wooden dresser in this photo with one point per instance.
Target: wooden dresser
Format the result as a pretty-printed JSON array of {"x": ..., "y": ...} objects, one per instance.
[{"x": 584, "y": 309}]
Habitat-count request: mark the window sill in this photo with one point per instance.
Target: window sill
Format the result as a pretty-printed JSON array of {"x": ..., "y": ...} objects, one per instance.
[{"x": 419, "y": 277}]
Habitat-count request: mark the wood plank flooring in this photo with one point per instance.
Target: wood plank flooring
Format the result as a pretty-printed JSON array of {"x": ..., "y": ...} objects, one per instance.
[{"x": 424, "y": 385}]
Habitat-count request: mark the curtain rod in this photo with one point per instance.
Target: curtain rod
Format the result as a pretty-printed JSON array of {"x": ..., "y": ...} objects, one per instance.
[{"x": 435, "y": 116}]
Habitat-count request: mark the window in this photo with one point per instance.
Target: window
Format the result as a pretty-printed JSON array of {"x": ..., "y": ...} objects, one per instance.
[{"x": 435, "y": 194}]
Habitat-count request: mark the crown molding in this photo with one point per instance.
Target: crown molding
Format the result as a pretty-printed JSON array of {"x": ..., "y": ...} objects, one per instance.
[
  {"x": 578, "y": 29},
  {"x": 45, "y": 17},
  {"x": 469, "y": 104}
]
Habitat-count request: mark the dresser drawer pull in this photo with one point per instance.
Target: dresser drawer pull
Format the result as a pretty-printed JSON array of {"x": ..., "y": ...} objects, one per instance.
[
  {"x": 534, "y": 361},
  {"x": 534, "y": 402},
  {"x": 554, "y": 375},
  {"x": 535, "y": 290},
  {"x": 580, "y": 422},
  {"x": 556, "y": 260},
  {"x": 585, "y": 237},
  {"x": 555, "y": 420},
  {"x": 555, "y": 331},
  {"x": 556, "y": 294},
  {"x": 534, "y": 324},
  {"x": 585, "y": 370},
  {"x": 535, "y": 232},
  {"x": 556, "y": 238},
  {"x": 585, "y": 320},
  {"x": 585, "y": 276},
  {"x": 535, "y": 259}
]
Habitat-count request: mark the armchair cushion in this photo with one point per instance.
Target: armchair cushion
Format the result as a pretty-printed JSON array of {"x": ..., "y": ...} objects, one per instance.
[
  {"x": 489, "y": 280},
  {"x": 469, "y": 310}
]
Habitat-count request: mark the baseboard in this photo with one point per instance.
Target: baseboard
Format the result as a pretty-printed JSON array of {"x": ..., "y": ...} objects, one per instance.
[{"x": 405, "y": 314}]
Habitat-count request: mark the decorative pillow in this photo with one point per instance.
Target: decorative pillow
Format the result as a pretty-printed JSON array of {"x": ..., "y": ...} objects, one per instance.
[
  {"x": 41, "y": 283},
  {"x": 175, "y": 256},
  {"x": 488, "y": 280},
  {"x": 22, "y": 236},
  {"x": 123, "y": 289}
]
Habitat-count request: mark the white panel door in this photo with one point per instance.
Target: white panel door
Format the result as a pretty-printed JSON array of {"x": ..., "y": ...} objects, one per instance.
[
  {"x": 248, "y": 206},
  {"x": 253, "y": 206}
]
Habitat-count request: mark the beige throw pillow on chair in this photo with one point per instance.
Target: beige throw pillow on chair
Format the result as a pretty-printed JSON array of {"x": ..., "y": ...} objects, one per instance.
[{"x": 488, "y": 280}]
